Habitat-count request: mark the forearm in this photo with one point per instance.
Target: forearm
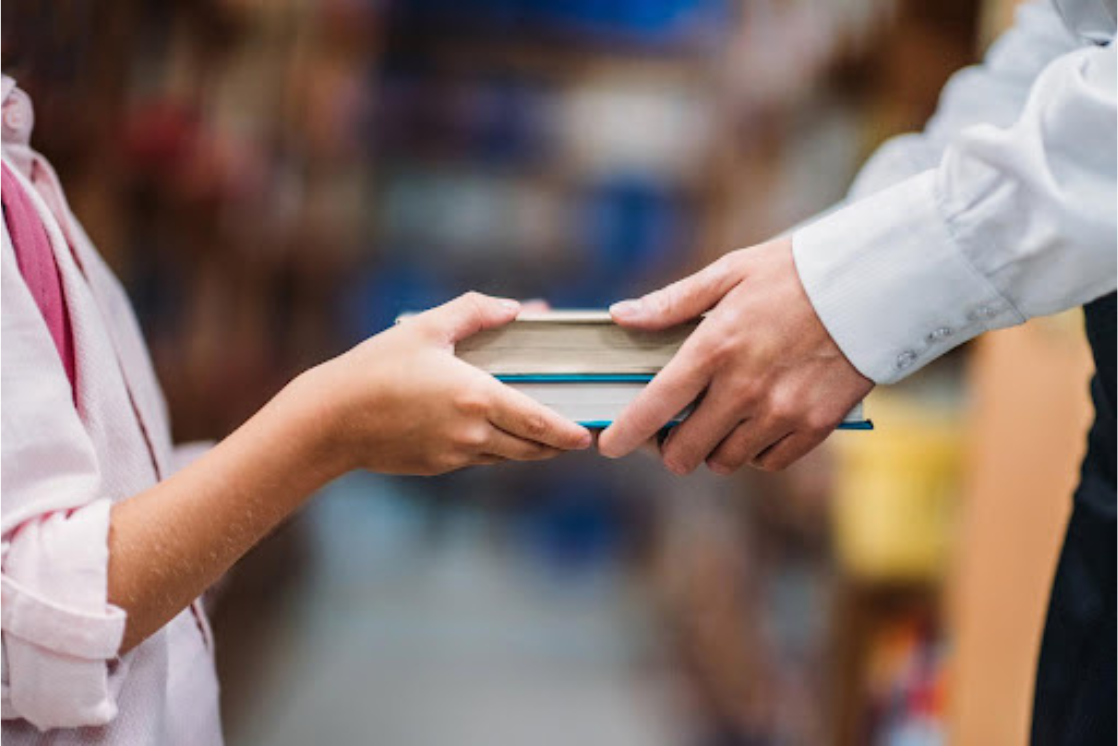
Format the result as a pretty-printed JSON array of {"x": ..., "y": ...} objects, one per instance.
[
  {"x": 399, "y": 403},
  {"x": 171, "y": 542}
]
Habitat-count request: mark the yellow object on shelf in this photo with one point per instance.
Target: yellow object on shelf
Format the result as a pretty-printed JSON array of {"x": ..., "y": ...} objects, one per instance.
[{"x": 896, "y": 491}]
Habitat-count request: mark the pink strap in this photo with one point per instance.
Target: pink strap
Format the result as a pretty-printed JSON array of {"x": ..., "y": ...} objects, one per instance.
[{"x": 38, "y": 266}]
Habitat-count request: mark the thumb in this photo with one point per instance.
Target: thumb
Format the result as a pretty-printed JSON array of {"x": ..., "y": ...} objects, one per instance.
[
  {"x": 681, "y": 301},
  {"x": 468, "y": 314}
]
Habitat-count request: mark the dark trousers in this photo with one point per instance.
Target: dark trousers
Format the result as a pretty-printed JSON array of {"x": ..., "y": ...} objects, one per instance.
[{"x": 1075, "y": 698}]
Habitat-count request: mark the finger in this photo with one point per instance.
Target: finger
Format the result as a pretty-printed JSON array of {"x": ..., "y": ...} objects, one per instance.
[
  {"x": 520, "y": 415},
  {"x": 681, "y": 301},
  {"x": 744, "y": 444},
  {"x": 513, "y": 448},
  {"x": 788, "y": 451},
  {"x": 487, "y": 459},
  {"x": 534, "y": 305},
  {"x": 676, "y": 386},
  {"x": 698, "y": 435},
  {"x": 466, "y": 315}
]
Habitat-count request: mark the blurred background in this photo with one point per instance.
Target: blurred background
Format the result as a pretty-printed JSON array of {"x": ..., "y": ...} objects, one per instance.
[{"x": 274, "y": 181}]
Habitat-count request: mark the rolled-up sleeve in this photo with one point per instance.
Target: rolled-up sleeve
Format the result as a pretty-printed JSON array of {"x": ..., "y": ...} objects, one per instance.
[{"x": 60, "y": 633}]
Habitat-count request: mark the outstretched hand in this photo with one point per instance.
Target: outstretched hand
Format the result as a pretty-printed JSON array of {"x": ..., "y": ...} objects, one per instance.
[
  {"x": 769, "y": 382},
  {"x": 403, "y": 403}
]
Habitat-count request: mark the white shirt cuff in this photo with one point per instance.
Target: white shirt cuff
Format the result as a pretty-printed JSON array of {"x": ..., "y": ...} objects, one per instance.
[{"x": 890, "y": 284}]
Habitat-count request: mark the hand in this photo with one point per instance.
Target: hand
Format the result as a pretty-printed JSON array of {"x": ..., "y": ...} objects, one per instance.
[
  {"x": 770, "y": 381},
  {"x": 402, "y": 403}
]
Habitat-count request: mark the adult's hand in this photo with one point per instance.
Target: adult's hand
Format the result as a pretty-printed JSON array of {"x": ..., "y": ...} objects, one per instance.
[{"x": 770, "y": 382}]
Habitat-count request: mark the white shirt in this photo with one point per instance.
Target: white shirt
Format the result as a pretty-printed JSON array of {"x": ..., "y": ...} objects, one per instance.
[
  {"x": 63, "y": 466},
  {"x": 1002, "y": 209}
]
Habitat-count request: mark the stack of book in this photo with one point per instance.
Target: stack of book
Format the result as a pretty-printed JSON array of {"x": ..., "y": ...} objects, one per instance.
[{"x": 582, "y": 364}]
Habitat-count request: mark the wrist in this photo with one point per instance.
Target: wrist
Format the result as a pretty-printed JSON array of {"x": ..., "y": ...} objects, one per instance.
[
  {"x": 890, "y": 283},
  {"x": 313, "y": 415}
]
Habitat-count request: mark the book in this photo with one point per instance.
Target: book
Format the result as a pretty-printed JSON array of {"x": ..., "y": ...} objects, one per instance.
[
  {"x": 582, "y": 364},
  {"x": 595, "y": 401},
  {"x": 572, "y": 343}
]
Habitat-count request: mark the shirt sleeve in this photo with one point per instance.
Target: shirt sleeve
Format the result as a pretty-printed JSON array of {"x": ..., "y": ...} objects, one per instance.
[
  {"x": 1012, "y": 222},
  {"x": 60, "y": 633},
  {"x": 993, "y": 92}
]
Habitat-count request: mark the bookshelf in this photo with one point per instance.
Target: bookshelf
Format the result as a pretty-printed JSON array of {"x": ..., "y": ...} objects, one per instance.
[{"x": 274, "y": 181}]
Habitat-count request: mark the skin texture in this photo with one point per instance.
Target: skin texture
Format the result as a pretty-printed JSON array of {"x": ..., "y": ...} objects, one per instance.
[
  {"x": 399, "y": 403},
  {"x": 770, "y": 381}
]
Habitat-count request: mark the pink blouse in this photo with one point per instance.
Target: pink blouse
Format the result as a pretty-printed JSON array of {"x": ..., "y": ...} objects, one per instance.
[{"x": 68, "y": 453}]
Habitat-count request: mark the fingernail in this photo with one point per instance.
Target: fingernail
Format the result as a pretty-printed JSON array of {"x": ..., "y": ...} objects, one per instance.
[
  {"x": 718, "y": 468},
  {"x": 627, "y": 308},
  {"x": 585, "y": 441},
  {"x": 510, "y": 305}
]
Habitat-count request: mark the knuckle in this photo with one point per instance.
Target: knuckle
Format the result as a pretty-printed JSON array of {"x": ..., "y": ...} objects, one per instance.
[
  {"x": 472, "y": 401},
  {"x": 745, "y": 392},
  {"x": 474, "y": 302},
  {"x": 470, "y": 438},
  {"x": 718, "y": 269},
  {"x": 713, "y": 349},
  {"x": 657, "y": 303},
  {"x": 728, "y": 318},
  {"x": 535, "y": 425},
  {"x": 782, "y": 407}
]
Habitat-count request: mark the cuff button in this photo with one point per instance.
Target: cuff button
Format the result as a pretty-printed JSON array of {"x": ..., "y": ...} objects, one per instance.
[
  {"x": 905, "y": 359},
  {"x": 983, "y": 312},
  {"x": 940, "y": 334}
]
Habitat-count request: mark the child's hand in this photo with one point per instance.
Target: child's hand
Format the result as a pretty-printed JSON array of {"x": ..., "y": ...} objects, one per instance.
[
  {"x": 399, "y": 403},
  {"x": 402, "y": 403}
]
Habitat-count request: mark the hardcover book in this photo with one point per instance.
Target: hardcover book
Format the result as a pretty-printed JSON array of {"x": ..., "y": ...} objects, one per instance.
[{"x": 582, "y": 364}]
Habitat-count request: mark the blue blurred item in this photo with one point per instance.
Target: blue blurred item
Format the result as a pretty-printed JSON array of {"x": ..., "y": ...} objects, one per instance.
[
  {"x": 378, "y": 294},
  {"x": 631, "y": 222},
  {"x": 573, "y": 523},
  {"x": 659, "y": 22},
  {"x": 630, "y": 230}
]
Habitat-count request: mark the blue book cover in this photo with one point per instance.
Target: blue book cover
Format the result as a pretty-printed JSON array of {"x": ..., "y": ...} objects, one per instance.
[{"x": 854, "y": 421}]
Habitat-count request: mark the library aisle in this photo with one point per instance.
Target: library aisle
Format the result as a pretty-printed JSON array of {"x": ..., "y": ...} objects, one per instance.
[
  {"x": 431, "y": 634},
  {"x": 274, "y": 182}
]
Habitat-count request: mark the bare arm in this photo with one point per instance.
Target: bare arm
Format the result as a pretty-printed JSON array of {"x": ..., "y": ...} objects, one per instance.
[
  {"x": 398, "y": 403},
  {"x": 169, "y": 543}
]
